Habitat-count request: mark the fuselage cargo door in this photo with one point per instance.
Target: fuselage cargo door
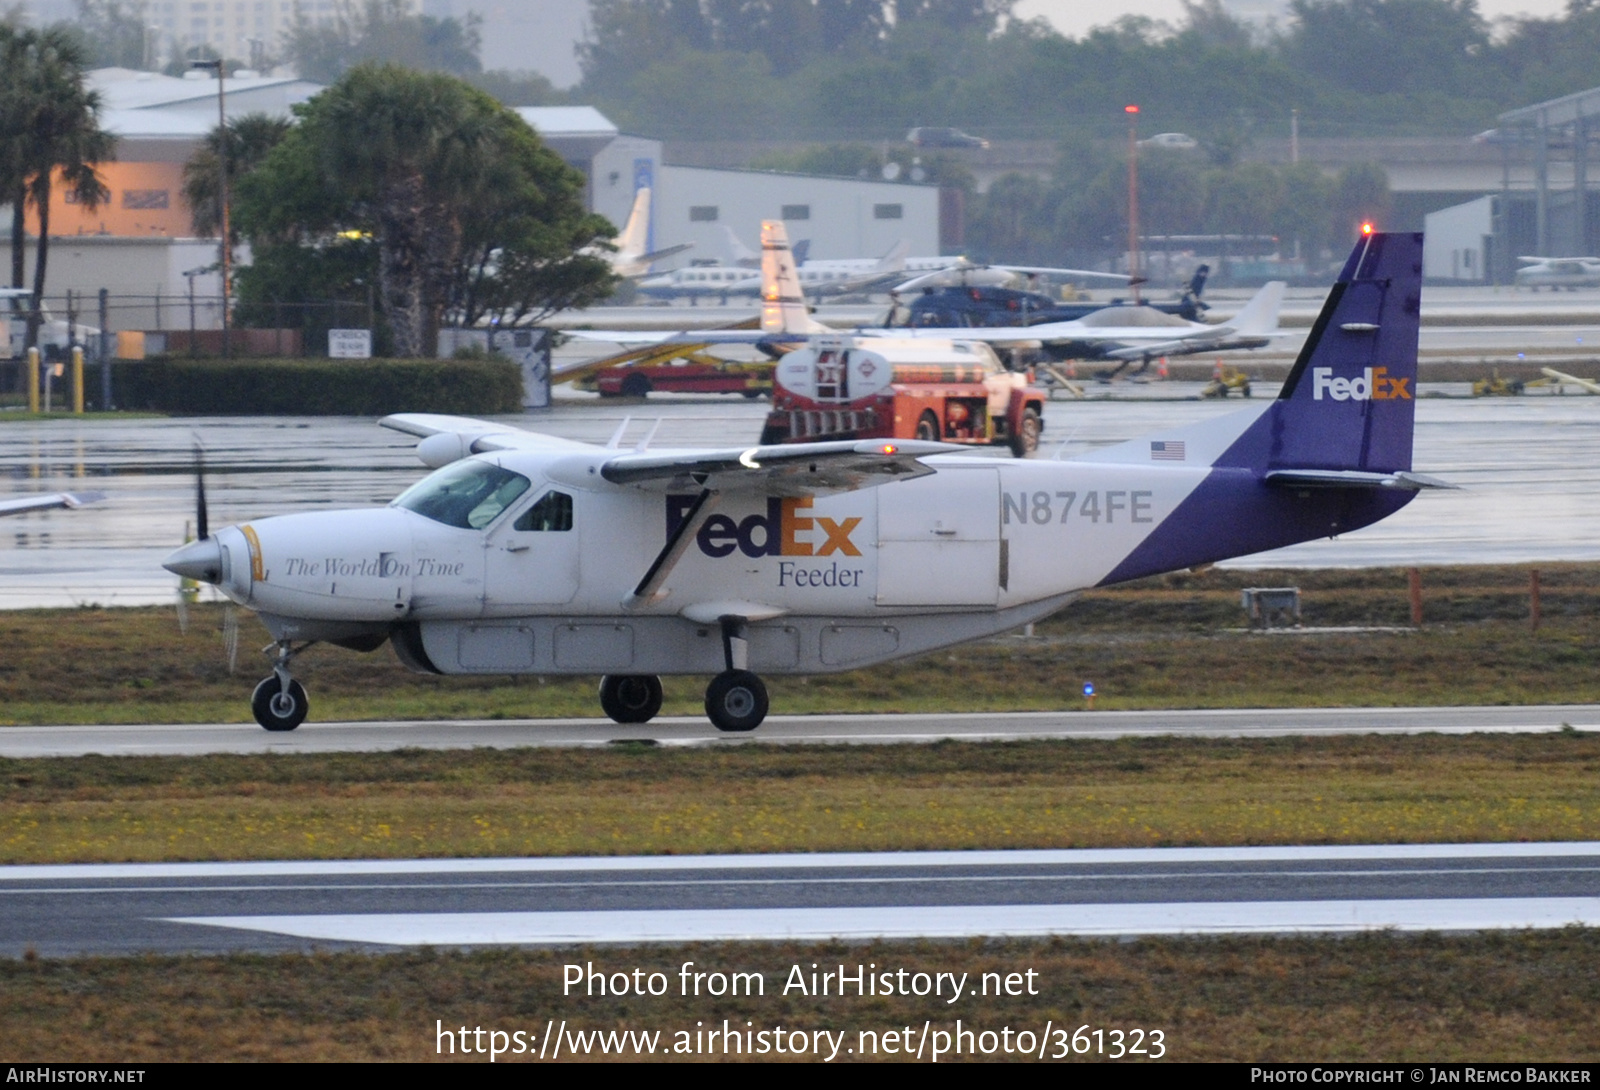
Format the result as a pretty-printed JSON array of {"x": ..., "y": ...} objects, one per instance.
[
  {"x": 532, "y": 559},
  {"x": 939, "y": 539}
]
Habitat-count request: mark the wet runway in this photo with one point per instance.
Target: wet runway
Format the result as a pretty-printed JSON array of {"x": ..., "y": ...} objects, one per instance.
[
  {"x": 192, "y": 739},
  {"x": 272, "y": 906},
  {"x": 1529, "y": 467}
]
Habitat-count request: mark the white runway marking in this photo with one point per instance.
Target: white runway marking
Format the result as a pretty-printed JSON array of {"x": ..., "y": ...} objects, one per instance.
[
  {"x": 83, "y": 872},
  {"x": 900, "y": 922}
]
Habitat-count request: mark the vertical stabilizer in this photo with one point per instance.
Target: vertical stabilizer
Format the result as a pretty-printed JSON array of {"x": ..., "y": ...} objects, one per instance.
[
  {"x": 1350, "y": 400},
  {"x": 783, "y": 303},
  {"x": 635, "y": 237}
]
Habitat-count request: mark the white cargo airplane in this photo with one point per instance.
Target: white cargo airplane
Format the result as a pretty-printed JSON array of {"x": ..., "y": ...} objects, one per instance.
[
  {"x": 524, "y": 553},
  {"x": 1559, "y": 272}
]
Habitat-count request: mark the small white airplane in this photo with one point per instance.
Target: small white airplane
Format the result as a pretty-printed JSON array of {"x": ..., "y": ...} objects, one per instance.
[
  {"x": 1559, "y": 272},
  {"x": 704, "y": 281},
  {"x": 525, "y": 553},
  {"x": 630, "y": 259},
  {"x": 49, "y": 501}
]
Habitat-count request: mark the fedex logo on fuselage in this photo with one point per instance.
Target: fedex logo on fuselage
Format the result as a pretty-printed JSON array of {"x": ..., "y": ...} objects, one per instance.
[
  {"x": 786, "y": 528},
  {"x": 1375, "y": 384}
]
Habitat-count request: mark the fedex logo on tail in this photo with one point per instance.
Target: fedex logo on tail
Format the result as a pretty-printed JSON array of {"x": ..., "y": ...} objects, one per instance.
[{"x": 1375, "y": 384}]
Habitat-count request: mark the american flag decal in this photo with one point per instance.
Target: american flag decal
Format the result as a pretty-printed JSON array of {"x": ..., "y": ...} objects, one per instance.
[{"x": 1166, "y": 450}]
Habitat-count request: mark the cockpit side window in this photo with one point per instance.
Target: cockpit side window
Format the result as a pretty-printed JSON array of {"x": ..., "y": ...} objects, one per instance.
[
  {"x": 467, "y": 494},
  {"x": 553, "y": 511}
]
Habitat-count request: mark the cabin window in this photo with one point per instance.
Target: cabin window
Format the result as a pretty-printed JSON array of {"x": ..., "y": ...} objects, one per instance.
[
  {"x": 888, "y": 211},
  {"x": 702, "y": 213},
  {"x": 467, "y": 494},
  {"x": 796, "y": 212},
  {"x": 552, "y": 512}
]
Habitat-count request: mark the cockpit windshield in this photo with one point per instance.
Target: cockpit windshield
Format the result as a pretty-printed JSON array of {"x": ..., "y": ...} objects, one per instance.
[{"x": 468, "y": 494}]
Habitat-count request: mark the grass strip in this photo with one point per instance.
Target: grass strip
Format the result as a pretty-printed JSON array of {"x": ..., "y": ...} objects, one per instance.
[
  {"x": 1173, "y": 642},
  {"x": 645, "y": 800},
  {"x": 1529, "y": 996}
]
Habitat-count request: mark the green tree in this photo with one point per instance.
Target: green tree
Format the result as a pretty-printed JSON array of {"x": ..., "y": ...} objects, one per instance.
[
  {"x": 1303, "y": 222},
  {"x": 467, "y": 213},
  {"x": 249, "y": 140},
  {"x": 1389, "y": 46},
  {"x": 1360, "y": 195},
  {"x": 381, "y": 31},
  {"x": 49, "y": 132}
]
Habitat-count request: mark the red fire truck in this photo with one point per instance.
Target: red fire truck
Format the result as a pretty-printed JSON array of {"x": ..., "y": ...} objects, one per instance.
[{"x": 882, "y": 388}]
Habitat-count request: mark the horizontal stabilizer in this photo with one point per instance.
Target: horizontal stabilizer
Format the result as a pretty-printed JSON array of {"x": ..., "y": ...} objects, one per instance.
[
  {"x": 657, "y": 255},
  {"x": 48, "y": 501},
  {"x": 1405, "y": 480}
]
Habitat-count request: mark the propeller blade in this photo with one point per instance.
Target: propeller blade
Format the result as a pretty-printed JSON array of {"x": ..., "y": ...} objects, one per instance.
[{"x": 202, "y": 527}]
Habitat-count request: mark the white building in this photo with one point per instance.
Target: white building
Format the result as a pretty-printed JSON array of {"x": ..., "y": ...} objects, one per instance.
[{"x": 1458, "y": 241}]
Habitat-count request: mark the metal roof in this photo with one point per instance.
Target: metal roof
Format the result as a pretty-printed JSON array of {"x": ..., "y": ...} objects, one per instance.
[{"x": 1557, "y": 111}]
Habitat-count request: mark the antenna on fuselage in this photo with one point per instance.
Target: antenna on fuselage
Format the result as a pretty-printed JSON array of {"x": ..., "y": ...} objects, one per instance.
[
  {"x": 616, "y": 436},
  {"x": 644, "y": 444}
]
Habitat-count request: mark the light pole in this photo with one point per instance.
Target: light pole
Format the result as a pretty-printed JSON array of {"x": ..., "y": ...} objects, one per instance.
[
  {"x": 1133, "y": 198},
  {"x": 222, "y": 179}
]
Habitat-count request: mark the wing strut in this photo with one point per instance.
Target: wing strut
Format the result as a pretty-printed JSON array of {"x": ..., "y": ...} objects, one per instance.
[{"x": 672, "y": 551}]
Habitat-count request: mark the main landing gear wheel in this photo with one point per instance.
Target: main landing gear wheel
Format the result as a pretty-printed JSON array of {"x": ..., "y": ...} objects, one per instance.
[
  {"x": 277, "y": 708},
  {"x": 736, "y": 700},
  {"x": 630, "y": 698}
]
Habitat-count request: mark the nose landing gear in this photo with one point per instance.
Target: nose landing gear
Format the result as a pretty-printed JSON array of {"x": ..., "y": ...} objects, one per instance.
[
  {"x": 279, "y": 702},
  {"x": 736, "y": 700}
]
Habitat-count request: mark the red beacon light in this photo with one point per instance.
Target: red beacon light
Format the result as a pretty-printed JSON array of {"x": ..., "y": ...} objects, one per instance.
[
  {"x": 889, "y": 448},
  {"x": 1130, "y": 109},
  {"x": 1366, "y": 228}
]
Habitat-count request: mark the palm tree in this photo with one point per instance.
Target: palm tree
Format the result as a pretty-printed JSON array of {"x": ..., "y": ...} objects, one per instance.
[
  {"x": 250, "y": 138},
  {"x": 49, "y": 130},
  {"x": 411, "y": 147}
]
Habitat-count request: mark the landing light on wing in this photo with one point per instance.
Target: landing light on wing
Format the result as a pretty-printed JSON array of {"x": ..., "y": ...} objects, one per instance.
[{"x": 1366, "y": 228}]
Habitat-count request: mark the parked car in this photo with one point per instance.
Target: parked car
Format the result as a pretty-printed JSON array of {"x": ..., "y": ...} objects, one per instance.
[
  {"x": 1181, "y": 141},
  {"x": 927, "y": 136}
]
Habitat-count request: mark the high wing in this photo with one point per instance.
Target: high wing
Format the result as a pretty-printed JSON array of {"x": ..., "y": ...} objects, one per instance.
[
  {"x": 49, "y": 501},
  {"x": 791, "y": 469}
]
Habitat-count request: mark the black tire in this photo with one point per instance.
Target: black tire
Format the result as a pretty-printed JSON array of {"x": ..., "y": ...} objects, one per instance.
[
  {"x": 928, "y": 426},
  {"x": 635, "y": 386},
  {"x": 736, "y": 700},
  {"x": 630, "y": 698},
  {"x": 277, "y": 710},
  {"x": 1026, "y": 440}
]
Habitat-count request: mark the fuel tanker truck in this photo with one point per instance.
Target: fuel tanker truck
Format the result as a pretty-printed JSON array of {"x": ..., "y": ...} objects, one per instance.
[{"x": 888, "y": 388}]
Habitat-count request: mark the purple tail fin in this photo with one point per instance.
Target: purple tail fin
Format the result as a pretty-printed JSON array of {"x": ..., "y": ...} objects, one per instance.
[{"x": 1350, "y": 399}]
